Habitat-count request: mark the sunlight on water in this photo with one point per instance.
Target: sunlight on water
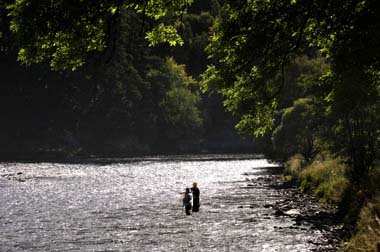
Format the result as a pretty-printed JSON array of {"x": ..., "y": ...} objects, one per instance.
[{"x": 135, "y": 206}]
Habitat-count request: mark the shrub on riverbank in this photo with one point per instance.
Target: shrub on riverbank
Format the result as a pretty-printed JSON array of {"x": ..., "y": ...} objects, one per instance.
[
  {"x": 324, "y": 177},
  {"x": 367, "y": 236},
  {"x": 294, "y": 166}
]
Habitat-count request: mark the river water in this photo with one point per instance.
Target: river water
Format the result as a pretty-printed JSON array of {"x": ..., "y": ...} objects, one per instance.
[{"x": 134, "y": 205}]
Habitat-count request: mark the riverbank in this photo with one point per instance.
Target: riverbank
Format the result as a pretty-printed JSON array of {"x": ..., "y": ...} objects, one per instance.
[
  {"x": 63, "y": 157},
  {"x": 358, "y": 205},
  {"x": 303, "y": 210}
]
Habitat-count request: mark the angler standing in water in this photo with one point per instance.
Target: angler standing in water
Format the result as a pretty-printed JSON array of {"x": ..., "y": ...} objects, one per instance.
[
  {"x": 196, "y": 197},
  {"x": 187, "y": 201}
]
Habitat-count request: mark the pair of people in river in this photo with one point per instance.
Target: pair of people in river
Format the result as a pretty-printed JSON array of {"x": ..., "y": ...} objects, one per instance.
[{"x": 196, "y": 199}]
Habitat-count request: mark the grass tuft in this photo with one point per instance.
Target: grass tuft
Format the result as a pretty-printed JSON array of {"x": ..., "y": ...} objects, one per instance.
[
  {"x": 367, "y": 236},
  {"x": 324, "y": 178}
]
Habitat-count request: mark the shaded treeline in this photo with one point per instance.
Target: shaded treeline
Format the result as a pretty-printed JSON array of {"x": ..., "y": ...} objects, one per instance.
[
  {"x": 129, "y": 99},
  {"x": 306, "y": 75}
]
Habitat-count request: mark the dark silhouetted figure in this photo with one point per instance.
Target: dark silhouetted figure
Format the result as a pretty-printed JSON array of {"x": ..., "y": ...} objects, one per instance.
[
  {"x": 196, "y": 197},
  {"x": 187, "y": 201}
]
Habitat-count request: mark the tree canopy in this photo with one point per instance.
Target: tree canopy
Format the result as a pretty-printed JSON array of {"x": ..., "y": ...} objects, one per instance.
[
  {"x": 125, "y": 96},
  {"x": 255, "y": 40},
  {"x": 254, "y": 44},
  {"x": 65, "y": 33}
]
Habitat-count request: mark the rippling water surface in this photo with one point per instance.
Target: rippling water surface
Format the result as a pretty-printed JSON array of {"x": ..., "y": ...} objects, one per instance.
[{"x": 135, "y": 206}]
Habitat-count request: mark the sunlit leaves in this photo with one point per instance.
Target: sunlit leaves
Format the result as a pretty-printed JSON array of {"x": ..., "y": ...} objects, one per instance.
[
  {"x": 250, "y": 48},
  {"x": 113, "y": 9},
  {"x": 257, "y": 124},
  {"x": 180, "y": 104},
  {"x": 164, "y": 34},
  {"x": 210, "y": 79},
  {"x": 65, "y": 33},
  {"x": 266, "y": 35}
]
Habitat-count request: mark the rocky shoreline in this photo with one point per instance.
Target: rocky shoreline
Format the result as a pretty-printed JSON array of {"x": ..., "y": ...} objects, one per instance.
[{"x": 304, "y": 210}]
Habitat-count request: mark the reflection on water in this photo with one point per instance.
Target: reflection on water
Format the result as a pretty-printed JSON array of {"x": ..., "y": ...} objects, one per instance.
[{"x": 135, "y": 206}]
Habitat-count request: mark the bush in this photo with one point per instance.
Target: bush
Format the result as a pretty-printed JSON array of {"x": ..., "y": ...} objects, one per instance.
[
  {"x": 367, "y": 236},
  {"x": 332, "y": 190},
  {"x": 294, "y": 165},
  {"x": 325, "y": 179},
  {"x": 373, "y": 181}
]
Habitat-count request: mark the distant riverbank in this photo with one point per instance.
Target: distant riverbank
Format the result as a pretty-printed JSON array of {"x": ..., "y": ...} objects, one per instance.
[{"x": 92, "y": 158}]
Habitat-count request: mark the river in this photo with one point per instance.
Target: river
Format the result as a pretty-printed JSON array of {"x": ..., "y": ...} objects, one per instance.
[{"x": 134, "y": 205}]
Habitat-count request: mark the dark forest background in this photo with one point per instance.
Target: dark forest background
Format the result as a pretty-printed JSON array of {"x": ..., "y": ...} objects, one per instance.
[{"x": 130, "y": 100}]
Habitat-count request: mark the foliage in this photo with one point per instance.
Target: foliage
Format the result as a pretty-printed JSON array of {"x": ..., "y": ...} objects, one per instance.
[
  {"x": 65, "y": 39},
  {"x": 326, "y": 179},
  {"x": 218, "y": 133},
  {"x": 300, "y": 113},
  {"x": 180, "y": 109},
  {"x": 105, "y": 107},
  {"x": 357, "y": 136},
  {"x": 180, "y": 106},
  {"x": 296, "y": 132},
  {"x": 254, "y": 44},
  {"x": 252, "y": 81},
  {"x": 195, "y": 34},
  {"x": 304, "y": 72},
  {"x": 179, "y": 102},
  {"x": 126, "y": 99},
  {"x": 140, "y": 94},
  {"x": 294, "y": 165},
  {"x": 367, "y": 233}
]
